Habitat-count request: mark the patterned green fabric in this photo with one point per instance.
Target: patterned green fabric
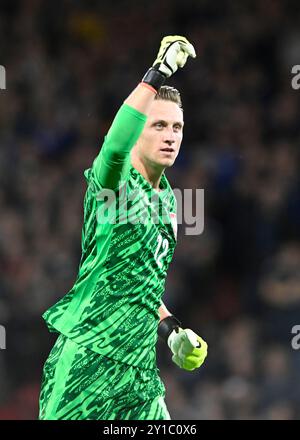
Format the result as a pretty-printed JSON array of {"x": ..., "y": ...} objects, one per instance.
[
  {"x": 112, "y": 309},
  {"x": 79, "y": 384}
]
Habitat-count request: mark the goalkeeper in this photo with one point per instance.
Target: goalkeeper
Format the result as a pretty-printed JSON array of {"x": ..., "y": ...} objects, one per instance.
[{"x": 103, "y": 364}]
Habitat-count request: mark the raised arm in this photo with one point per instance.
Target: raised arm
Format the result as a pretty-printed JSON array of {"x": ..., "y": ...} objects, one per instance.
[{"x": 111, "y": 166}]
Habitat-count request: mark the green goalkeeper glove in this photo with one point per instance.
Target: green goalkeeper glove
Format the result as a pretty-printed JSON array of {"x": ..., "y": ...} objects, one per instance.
[
  {"x": 189, "y": 350},
  {"x": 173, "y": 53}
]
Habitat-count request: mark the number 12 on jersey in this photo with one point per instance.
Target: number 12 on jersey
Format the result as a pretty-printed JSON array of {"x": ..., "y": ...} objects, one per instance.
[{"x": 161, "y": 250}]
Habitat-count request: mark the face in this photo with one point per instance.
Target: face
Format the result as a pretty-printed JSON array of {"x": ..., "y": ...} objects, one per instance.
[{"x": 159, "y": 143}]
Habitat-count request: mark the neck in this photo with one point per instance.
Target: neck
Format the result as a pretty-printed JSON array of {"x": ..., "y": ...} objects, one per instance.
[{"x": 150, "y": 172}]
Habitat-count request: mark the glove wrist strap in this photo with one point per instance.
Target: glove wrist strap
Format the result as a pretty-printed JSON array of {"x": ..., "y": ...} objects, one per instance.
[
  {"x": 154, "y": 78},
  {"x": 166, "y": 326}
]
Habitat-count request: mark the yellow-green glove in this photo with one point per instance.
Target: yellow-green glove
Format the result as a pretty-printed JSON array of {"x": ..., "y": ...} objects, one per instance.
[
  {"x": 173, "y": 53},
  {"x": 189, "y": 350}
]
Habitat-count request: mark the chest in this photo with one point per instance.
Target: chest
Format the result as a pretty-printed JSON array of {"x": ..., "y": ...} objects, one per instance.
[{"x": 144, "y": 231}]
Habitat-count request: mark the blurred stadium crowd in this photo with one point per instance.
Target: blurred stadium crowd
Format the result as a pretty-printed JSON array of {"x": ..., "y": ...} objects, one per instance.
[{"x": 69, "y": 66}]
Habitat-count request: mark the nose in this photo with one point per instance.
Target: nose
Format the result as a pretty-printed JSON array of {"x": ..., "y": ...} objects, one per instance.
[
  {"x": 169, "y": 138},
  {"x": 169, "y": 142}
]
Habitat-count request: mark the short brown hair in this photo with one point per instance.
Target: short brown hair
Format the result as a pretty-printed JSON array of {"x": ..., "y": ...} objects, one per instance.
[{"x": 167, "y": 93}]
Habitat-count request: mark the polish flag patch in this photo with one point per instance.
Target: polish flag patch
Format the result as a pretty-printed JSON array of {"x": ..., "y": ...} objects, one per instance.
[{"x": 173, "y": 218}]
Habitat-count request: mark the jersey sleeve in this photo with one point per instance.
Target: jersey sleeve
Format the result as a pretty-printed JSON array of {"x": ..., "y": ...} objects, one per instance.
[{"x": 112, "y": 164}]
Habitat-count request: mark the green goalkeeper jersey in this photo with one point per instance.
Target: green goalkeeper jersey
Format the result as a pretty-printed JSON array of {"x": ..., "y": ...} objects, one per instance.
[{"x": 127, "y": 246}]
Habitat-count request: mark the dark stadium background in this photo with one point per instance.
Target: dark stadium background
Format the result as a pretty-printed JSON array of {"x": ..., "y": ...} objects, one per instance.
[{"x": 69, "y": 66}]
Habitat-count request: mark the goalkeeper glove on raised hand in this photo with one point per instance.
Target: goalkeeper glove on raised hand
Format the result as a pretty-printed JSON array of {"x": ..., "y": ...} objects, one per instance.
[
  {"x": 189, "y": 350},
  {"x": 173, "y": 53}
]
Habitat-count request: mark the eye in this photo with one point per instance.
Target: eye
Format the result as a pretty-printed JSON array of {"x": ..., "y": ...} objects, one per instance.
[{"x": 158, "y": 125}]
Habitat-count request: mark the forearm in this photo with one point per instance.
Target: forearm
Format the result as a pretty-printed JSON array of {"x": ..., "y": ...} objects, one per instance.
[
  {"x": 129, "y": 121},
  {"x": 167, "y": 323},
  {"x": 113, "y": 163},
  {"x": 163, "y": 312},
  {"x": 141, "y": 98}
]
